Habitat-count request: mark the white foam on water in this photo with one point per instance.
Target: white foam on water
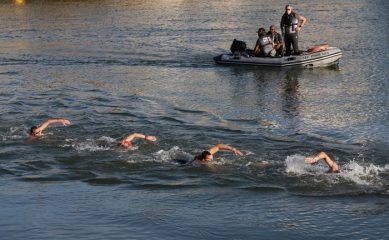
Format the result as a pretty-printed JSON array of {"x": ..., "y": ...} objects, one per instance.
[
  {"x": 360, "y": 174},
  {"x": 13, "y": 133},
  {"x": 140, "y": 159},
  {"x": 89, "y": 146},
  {"x": 103, "y": 143},
  {"x": 258, "y": 164},
  {"x": 107, "y": 139},
  {"x": 166, "y": 155},
  {"x": 161, "y": 156},
  {"x": 219, "y": 161},
  {"x": 247, "y": 153},
  {"x": 132, "y": 161},
  {"x": 173, "y": 154},
  {"x": 295, "y": 164},
  {"x": 353, "y": 171},
  {"x": 248, "y": 164}
]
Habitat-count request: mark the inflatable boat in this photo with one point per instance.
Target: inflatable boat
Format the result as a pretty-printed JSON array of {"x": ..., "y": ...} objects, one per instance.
[{"x": 319, "y": 56}]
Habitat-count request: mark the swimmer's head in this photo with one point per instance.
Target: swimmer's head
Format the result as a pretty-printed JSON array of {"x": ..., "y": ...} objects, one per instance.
[
  {"x": 205, "y": 156},
  {"x": 125, "y": 144},
  {"x": 34, "y": 131}
]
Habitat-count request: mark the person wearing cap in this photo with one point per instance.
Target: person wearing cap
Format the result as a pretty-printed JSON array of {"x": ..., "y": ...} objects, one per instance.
[
  {"x": 333, "y": 167},
  {"x": 264, "y": 46},
  {"x": 291, "y": 24},
  {"x": 277, "y": 39},
  {"x": 126, "y": 142},
  {"x": 36, "y": 131},
  {"x": 207, "y": 156}
]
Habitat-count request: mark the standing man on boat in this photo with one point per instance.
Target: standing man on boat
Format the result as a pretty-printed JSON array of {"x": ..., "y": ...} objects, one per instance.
[{"x": 291, "y": 24}]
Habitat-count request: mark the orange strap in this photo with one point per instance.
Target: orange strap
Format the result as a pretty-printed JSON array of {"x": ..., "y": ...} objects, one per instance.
[{"x": 318, "y": 48}]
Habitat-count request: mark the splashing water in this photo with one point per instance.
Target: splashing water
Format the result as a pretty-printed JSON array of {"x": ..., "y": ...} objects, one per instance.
[
  {"x": 173, "y": 154},
  {"x": 352, "y": 171},
  {"x": 295, "y": 165},
  {"x": 363, "y": 175},
  {"x": 103, "y": 143},
  {"x": 13, "y": 133}
]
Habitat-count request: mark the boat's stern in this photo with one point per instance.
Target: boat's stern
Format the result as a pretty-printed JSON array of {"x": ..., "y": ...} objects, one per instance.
[{"x": 218, "y": 58}]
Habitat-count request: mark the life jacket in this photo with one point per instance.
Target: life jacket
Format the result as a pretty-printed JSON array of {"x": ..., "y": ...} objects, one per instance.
[
  {"x": 291, "y": 23},
  {"x": 266, "y": 44}
]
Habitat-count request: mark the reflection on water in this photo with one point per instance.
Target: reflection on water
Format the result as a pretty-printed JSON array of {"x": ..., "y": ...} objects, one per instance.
[
  {"x": 19, "y": 2},
  {"x": 275, "y": 93},
  {"x": 291, "y": 92},
  {"x": 116, "y": 67}
]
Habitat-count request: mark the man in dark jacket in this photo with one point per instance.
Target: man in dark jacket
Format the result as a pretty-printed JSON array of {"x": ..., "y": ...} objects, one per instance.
[{"x": 291, "y": 24}]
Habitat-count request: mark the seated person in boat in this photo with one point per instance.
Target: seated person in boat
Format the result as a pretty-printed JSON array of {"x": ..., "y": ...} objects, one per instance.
[
  {"x": 277, "y": 39},
  {"x": 207, "y": 156},
  {"x": 264, "y": 46},
  {"x": 126, "y": 142},
  {"x": 333, "y": 167}
]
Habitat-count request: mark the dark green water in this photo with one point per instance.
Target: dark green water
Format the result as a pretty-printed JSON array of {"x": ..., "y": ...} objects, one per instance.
[{"x": 116, "y": 67}]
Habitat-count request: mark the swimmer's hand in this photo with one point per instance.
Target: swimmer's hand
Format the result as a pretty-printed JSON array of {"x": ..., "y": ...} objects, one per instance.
[
  {"x": 237, "y": 152},
  {"x": 151, "y": 138},
  {"x": 311, "y": 160},
  {"x": 65, "y": 122}
]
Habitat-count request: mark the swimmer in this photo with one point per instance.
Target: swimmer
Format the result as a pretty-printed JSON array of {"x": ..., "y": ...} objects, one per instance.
[
  {"x": 36, "y": 131},
  {"x": 126, "y": 142},
  {"x": 334, "y": 168},
  {"x": 207, "y": 156}
]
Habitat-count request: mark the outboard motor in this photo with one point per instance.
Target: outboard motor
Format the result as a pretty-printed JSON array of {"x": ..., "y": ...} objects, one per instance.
[{"x": 238, "y": 46}]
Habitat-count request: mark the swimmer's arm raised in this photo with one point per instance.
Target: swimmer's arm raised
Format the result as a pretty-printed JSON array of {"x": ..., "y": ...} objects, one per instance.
[
  {"x": 218, "y": 147},
  {"x": 132, "y": 136},
  {"x": 44, "y": 125},
  {"x": 323, "y": 156}
]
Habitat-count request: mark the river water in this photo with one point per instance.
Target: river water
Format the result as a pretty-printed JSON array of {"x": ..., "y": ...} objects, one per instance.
[{"x": 117, "y": 67}]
